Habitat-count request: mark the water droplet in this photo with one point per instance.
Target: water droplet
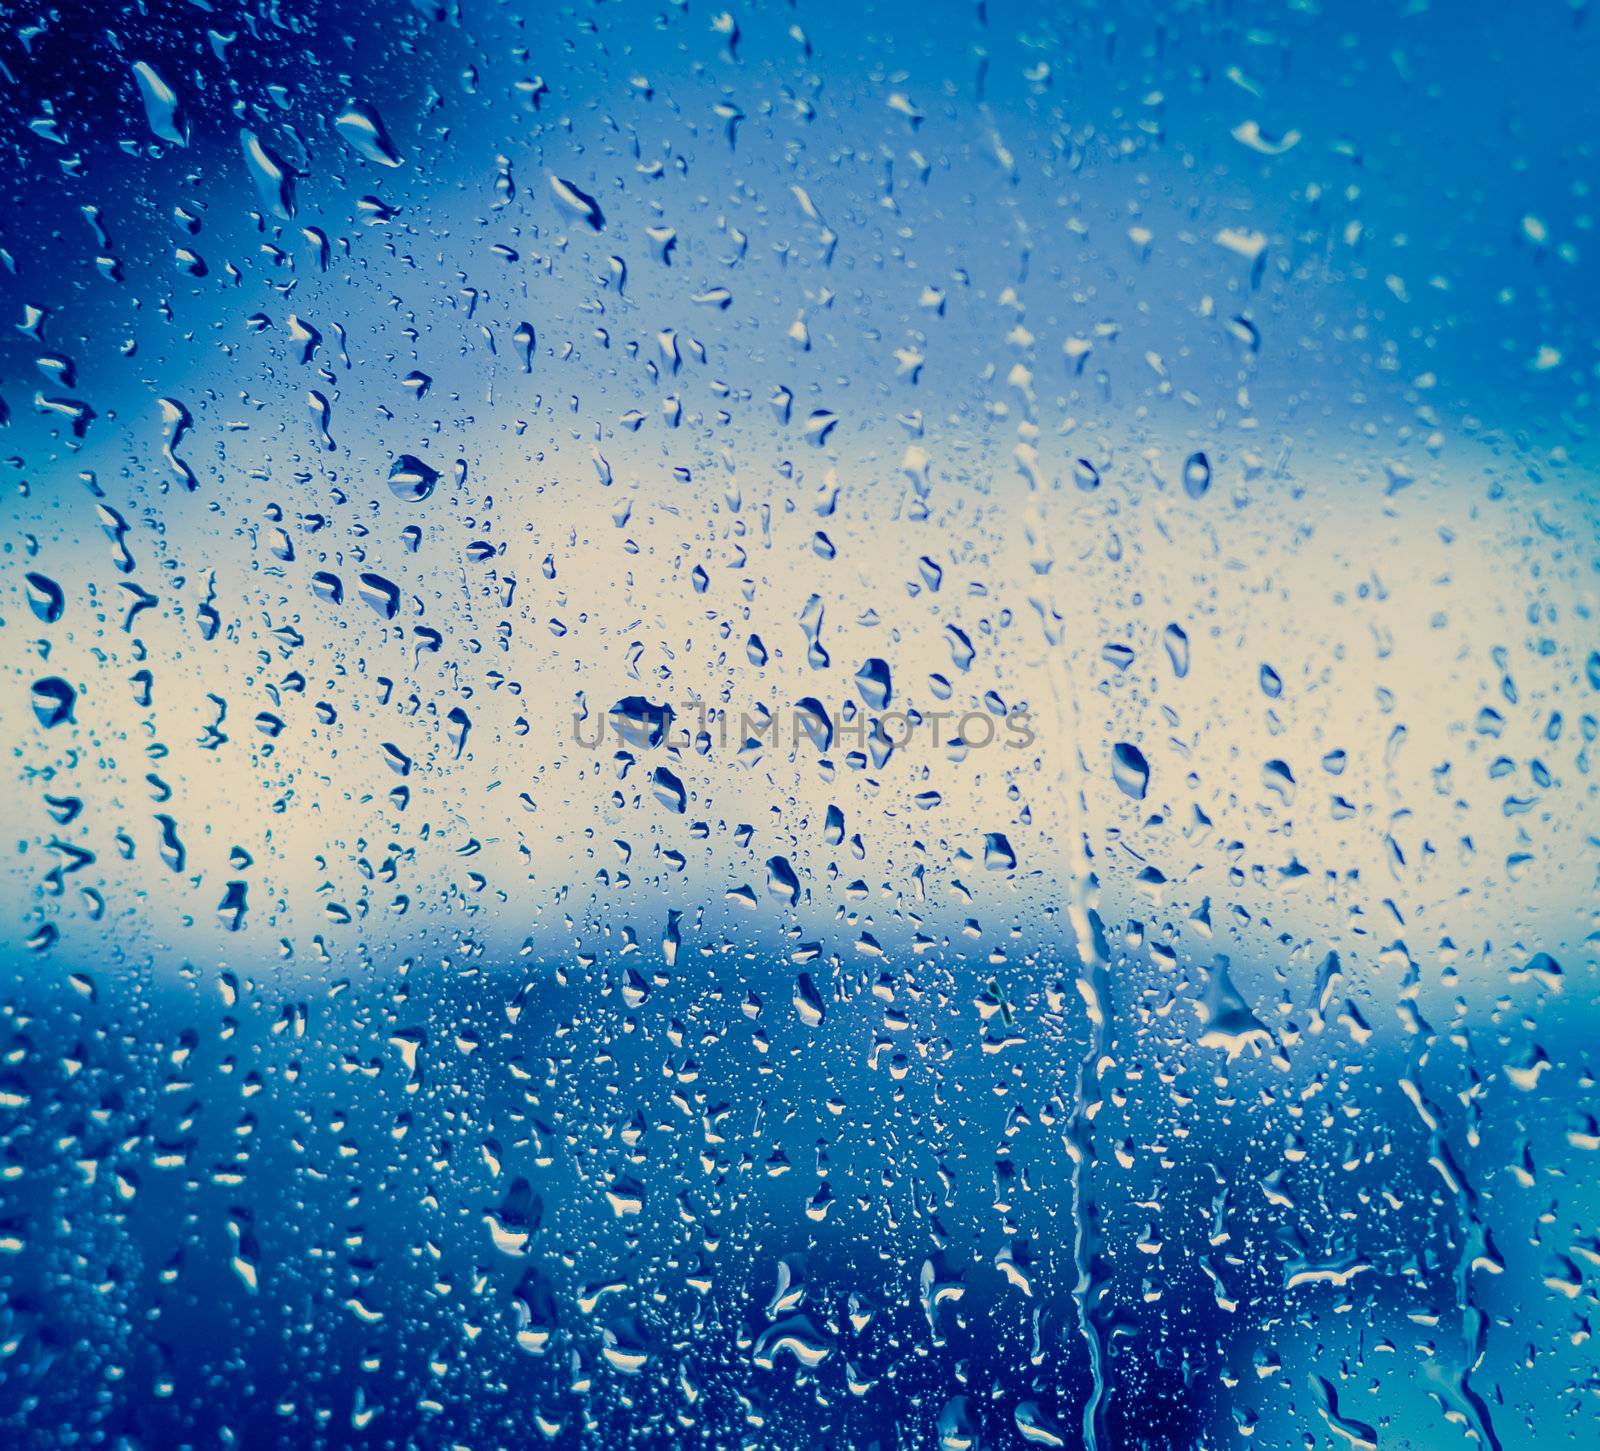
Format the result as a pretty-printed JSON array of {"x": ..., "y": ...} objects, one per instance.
[
  {"x": 53, "y": 701},
  {"x": 411, "y": 479},
  {"x": 1130, "y": 770},
  {"x": 1197, "y": 476},
  {"x": 578, "y": 204},
  {"x": 363, "y": 131}
]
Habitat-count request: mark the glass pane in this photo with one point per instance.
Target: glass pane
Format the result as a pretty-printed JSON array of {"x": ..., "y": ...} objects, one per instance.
[{"x": 799, "y": 726}]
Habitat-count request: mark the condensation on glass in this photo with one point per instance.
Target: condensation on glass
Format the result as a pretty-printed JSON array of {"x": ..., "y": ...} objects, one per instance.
[{"x": 799, "y": 726}]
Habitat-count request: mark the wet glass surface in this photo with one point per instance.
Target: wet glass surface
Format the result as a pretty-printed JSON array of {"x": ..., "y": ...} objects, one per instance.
[{"x": 799, "y": 726}]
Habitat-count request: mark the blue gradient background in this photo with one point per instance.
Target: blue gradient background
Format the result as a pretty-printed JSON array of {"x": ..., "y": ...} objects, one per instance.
[{"x": 248, "y": 1175}]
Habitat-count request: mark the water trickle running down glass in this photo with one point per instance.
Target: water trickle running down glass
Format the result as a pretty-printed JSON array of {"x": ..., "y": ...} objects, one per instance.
[{"x": 799, "y": 725}]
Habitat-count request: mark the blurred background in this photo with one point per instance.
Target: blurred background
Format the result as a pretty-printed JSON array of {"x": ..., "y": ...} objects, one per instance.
[{"x": 799, "y": 725}]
